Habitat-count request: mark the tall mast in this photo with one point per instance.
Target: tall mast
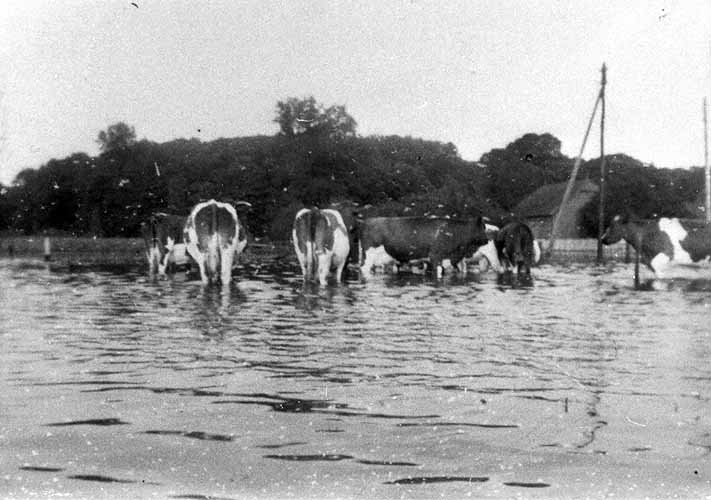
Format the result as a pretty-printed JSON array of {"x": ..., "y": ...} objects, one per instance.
[
  {"x": 706, "y": 167},
  {"x": 601, "y": 212}
]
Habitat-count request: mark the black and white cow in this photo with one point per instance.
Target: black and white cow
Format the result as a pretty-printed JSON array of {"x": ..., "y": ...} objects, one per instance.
[
  {"x": 515, "y": 247},
  {"x": 214, "y": 235},
  {"x": 404, "y": 239},
  {"x": 322, "y": 243},
  {"x": 668, "y": 246},
  {"x": 165, "y": 246}
]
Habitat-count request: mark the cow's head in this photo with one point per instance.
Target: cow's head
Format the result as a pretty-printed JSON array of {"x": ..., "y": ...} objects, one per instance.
[
  {"x": 481, "y": 236},
  {"x": 616, "y": 230}
]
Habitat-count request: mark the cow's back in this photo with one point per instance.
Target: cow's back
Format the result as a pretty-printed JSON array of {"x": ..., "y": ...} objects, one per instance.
[
  {"x": 314, "y": 226},
  {"x": 213, "y": 219},
  {"x": 323, "y": 225}
]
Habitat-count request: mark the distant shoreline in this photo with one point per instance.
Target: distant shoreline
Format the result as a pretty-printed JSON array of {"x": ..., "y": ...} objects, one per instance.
[{"x": 85, "y": 250}]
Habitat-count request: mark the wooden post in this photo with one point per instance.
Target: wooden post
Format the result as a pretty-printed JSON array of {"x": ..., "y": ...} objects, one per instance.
[
  {"x": 627, "y": 252},
  {"x": 601, "y": 212},
  {"x": 706, "y": 167},
  {"x": 47, "y": 249},
  {"x": 571, "y": 182},
  {"x": 636, "y": 269}
]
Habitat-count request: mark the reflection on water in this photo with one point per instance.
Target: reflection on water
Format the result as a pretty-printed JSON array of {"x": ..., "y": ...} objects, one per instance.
[{"x": 123, "y": 386}]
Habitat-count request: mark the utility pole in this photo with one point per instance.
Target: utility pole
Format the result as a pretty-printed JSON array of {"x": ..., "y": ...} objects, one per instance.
[
  {"x": 601, "y": 213},
  {"x": 706, "y": 167},
  {"x": 573, "y": 176}
]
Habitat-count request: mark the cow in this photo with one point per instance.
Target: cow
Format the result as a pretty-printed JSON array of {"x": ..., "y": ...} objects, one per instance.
[
  {"x": 665, "y": 245},
  {"x": 165, "y": 246},
  {"x": 322, "y": 242},
  {"x": 214, "y": 234},
  {"x": 404, "y": 239},
  {"x": 515, "y": 248}
]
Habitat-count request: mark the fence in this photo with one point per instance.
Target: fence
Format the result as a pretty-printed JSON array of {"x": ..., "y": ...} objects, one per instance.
[
  {"x": 130, "y": 250},
  {"x": 585, "y": 250}
]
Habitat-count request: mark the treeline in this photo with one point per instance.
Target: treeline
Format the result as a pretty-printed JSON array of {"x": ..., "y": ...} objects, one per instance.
[{"x": 303, "y": 165}]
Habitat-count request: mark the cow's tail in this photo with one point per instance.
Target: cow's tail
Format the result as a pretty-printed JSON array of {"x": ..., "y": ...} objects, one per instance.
[
  {"x": 518, "y": 246},
  {"x": 155, "y": 244},
  {"x": 311, "y": 254},
  {"x": 213, "y": 245},
  {"x": 524, "y": 251},
  {"x": 154, "y": 232}
]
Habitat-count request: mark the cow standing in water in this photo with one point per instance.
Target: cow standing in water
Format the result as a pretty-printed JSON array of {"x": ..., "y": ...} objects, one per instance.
[
  {"x": 515, "y": 248},
  {"x": 404, "y": 239},
  {"x": 165, "y": 247},
  {"x": 322, "y": 243},
  {"x": 666, "y": 246},
  {"x": 214, "y": 235}
]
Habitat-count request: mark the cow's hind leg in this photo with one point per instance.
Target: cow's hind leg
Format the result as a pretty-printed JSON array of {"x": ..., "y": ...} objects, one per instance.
[
  {"x": 163, "y": 266},
  {"x": 367, "y": 268},
  {"x": 341, "y": 269},
  {"x": 203, "y": 272},
  {"x": 324, "y": 266},
  {"x": 304, "y": 272},
  {"x": 437, "y": 269},
  {"x": 152, "y": 266},
  {"x": 227, "y": 255},
  {"x": 523, "y": 273},
  {"x": 660, "y": 265},
  {"x": 462, "y": 267}
]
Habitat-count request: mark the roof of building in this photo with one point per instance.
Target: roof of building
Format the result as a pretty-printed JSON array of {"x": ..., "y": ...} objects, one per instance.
[{"x": 545, "y": 200}]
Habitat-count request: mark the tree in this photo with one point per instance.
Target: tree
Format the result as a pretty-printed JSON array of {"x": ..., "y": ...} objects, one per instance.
[
  {"x": 642, "y": 190},
  {"x": 306, "y": 116},
  {"x": 523, "y": 166},
  {"x": 117, "y": 136}
]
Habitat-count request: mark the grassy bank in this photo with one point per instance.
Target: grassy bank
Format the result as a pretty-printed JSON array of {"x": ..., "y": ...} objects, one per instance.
[
  {"x": 85, "y": 251},
  {"x": 78, "y": 251}
]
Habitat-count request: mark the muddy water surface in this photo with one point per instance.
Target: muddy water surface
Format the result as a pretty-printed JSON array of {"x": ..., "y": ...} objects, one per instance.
[{"x": 117, "y": 386}]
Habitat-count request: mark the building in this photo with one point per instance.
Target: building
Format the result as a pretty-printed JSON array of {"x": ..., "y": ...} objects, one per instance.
[{"x": 539, "y": 209}]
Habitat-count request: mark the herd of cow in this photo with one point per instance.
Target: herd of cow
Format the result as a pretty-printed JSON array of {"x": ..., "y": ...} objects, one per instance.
[{"x": 327, "y": 240}]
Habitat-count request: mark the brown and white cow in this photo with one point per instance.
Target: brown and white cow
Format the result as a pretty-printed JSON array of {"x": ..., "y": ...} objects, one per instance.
[
  {"x": 322, "y": 243},
  {"x": 214, "y": 235},
  {"x": 405, "y": 239},
  {"x": 670, "y": 247},
  {"x": 165, "y": 247}
]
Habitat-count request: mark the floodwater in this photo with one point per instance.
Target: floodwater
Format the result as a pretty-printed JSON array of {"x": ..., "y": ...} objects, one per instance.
[{"x": 118, "y": 386}]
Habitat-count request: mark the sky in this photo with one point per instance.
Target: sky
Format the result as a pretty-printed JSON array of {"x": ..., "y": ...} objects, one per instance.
[{"x": 476, "y": 73}]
